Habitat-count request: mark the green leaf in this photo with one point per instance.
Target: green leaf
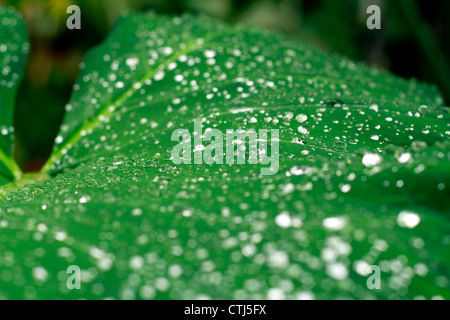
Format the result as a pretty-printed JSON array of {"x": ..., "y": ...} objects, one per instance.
[
  {"x": 363, "y": 176},
  {"x": 14, "y": 48}
]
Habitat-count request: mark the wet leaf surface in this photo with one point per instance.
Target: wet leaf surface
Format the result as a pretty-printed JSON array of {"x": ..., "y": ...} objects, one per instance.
[{"x": 363, "y": 176}]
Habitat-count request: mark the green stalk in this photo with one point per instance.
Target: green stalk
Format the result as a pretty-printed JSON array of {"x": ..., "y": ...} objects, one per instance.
[{"x": 11, "y": 164}]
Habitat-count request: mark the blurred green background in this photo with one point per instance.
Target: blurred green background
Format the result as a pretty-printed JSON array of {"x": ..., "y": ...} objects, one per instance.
[{"x": 414, "y": 42}]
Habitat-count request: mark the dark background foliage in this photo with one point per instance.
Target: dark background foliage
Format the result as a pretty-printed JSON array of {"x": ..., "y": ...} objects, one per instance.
[{"x": 414, "y": 42}]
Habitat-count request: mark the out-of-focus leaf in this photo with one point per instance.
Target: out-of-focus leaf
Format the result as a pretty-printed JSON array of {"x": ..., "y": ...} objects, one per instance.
[{"x": 13, "y": 53}]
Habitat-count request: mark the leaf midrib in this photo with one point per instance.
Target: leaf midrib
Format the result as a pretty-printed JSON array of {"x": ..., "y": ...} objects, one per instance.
[{"x": 109, "y": 109}]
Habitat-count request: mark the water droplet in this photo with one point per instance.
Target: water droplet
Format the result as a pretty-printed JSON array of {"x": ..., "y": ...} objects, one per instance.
[
  {"x": 407, "y": 219},
  {"x": 335, "y": 223},
  {"x": 371, "y": 159}
]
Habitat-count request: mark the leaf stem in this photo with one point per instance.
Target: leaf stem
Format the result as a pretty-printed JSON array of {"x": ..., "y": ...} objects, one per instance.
[
  {"x": 11, "y": 165},
  {"x": 26, "y": 179}
]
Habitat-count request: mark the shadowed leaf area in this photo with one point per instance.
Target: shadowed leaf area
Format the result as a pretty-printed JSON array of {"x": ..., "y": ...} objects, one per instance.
[{"x": 363, "y": 175}]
